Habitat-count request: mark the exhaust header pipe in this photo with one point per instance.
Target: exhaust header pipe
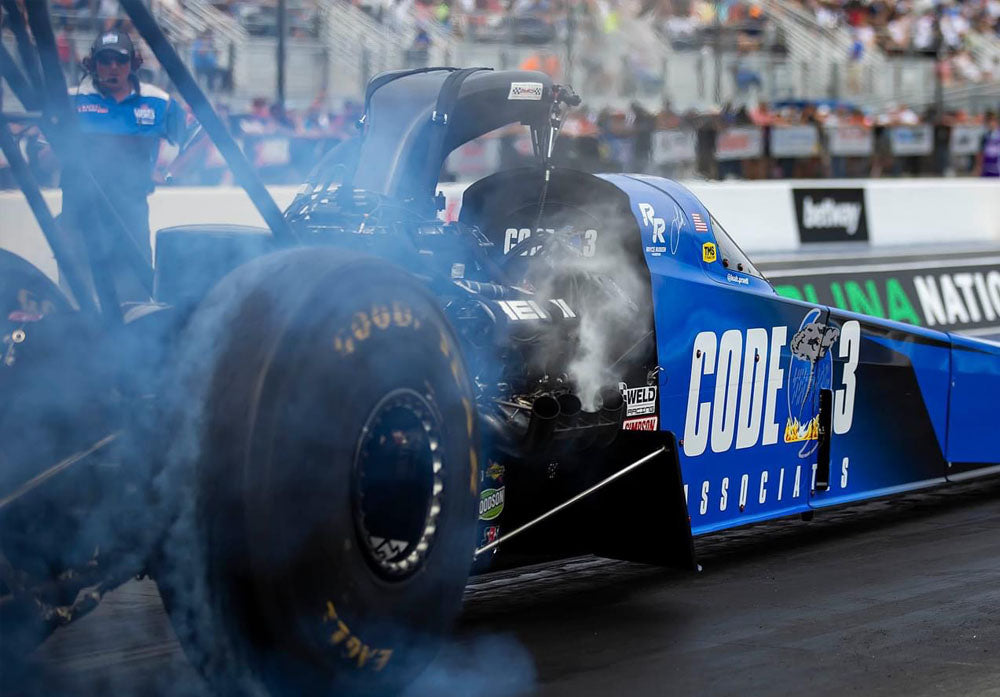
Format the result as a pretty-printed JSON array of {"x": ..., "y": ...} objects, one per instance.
[{"x": 545, "y": 411}]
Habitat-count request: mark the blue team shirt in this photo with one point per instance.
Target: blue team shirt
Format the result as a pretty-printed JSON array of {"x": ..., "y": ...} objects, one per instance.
[{"x": 122, "y": 139}]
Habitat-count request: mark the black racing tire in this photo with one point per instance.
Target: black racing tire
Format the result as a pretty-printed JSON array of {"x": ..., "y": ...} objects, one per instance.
[{"x": 331, "y": 404}]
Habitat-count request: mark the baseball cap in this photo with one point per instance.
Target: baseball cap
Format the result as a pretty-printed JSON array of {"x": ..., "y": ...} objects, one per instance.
[{"x": 117, "y": 41}]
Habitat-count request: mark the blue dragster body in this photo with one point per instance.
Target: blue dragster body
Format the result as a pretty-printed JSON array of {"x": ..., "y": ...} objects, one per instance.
[{"x": 743, "y": 371}]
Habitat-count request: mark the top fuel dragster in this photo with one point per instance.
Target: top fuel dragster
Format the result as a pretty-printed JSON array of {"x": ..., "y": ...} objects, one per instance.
[{"x": 312, "y": 431}]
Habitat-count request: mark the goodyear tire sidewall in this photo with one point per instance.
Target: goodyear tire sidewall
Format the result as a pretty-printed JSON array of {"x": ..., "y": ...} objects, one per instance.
[{"x": 281, "y": 533}]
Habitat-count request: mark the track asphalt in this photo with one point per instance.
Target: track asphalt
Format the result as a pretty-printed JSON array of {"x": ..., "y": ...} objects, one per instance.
[{"x": 894, "y": 597}]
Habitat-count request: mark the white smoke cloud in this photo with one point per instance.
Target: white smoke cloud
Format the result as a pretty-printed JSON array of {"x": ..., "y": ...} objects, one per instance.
[{"x": 611, "y": 300}]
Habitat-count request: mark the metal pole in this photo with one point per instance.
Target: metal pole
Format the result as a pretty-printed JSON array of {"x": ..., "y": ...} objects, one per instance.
[
  {"x": 16, "y": 24},
  {"x": 282, "y": 32},
  {"x": 700, "y": 70},
  {"x": 718, "y": 52},
  {"x": 938, "y": 62},
  {"x": 570, "y": 37},
  {"x": 511, "y": 28},
  {"x": 186, "y": 85},
  {"x": 25, "y": 92},
  {"x": 365, "y": 67},
  {"x": 664, "y": 80}
]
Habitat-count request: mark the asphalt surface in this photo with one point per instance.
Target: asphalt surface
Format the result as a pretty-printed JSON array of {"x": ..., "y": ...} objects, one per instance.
[
  {"x": 822, "y": 255},
  {"x": 890, "y": 597}
]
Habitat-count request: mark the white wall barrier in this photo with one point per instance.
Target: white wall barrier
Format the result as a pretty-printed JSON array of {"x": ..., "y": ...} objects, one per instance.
[{"x": 764, "y": 216}]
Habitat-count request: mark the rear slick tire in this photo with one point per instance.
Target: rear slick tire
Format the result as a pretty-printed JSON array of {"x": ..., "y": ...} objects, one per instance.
[{"x": 332, "y": 525}]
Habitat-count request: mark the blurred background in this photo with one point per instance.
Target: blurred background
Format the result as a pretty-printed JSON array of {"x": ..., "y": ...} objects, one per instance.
[{"x": 717, "y": 89}]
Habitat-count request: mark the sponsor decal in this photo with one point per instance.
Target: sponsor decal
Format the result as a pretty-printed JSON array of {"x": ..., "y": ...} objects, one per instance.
[
  {"x": 796, "y": 432},
  {"x": 585, "y": 241},
  {"x": 809, "y": 369},
  {"x": 22, "y": 316},
  {"x": 737, "y": 279},
  {"x": 771, "y": 485},
  {"x": 91, "y": 109},
  {"x": 658, "y": 229},
  {"x": 743, "y": 413},
  {"x": 699, "y": 223},
  {"x": 639, "y": 401},
  {"x": 830, "y": 215},
  {"x": 530, "y": 91},
  {"x": 491, "y": 503},
  {"x": 496, "y": 471},
  {"x": 519, "y": 310},
  {"x": 648, "y": 423},
  {"x": 708, "y": 253},
  {"x": 144, "y": 115},
  {"x": 948, "y": 298},
  {"x": 490, "y": 534},
  {"x": 657, "y": 226}
]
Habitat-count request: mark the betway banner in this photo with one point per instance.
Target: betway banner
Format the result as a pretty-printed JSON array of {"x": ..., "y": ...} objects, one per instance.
[
  {"x": 830, "y": 215},
  {"x": 960, "y": 297}
]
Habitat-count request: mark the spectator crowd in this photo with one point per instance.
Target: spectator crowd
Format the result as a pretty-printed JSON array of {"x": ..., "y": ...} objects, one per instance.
[
  {"x": 919, "y": 27},
  {"x": 284, "y": 144}
]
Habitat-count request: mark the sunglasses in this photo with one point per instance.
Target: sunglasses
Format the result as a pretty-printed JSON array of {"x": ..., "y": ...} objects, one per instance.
[{"x": 109, "y": 58}]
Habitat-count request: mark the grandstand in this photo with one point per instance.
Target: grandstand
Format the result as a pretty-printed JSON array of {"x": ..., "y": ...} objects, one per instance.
[
  {"x": 697, "y": 53},
  {"x": 707, "y": 67}
]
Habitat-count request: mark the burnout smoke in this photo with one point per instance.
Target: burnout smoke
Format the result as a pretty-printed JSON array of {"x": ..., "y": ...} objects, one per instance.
[{"x": 609, "y": 296}]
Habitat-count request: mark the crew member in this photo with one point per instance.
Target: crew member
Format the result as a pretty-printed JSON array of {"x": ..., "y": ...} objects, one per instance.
[
  {"x": 122, "y": 122},
  {"x": 988, "y": 159}
]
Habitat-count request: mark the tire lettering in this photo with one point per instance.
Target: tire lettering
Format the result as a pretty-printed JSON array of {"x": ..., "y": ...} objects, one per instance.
[
  {"x": 345, "y": 340},
  {"x": 351, "y": 645}
]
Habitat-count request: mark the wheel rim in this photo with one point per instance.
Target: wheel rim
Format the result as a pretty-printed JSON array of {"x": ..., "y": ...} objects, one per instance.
[{"x": 398, "y": 483}]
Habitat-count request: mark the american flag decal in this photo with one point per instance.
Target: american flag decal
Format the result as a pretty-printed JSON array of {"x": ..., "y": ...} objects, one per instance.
[{"x": 699, "y": 224}]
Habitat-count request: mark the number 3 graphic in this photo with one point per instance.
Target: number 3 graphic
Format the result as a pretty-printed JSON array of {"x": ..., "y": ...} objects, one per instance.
[{"x": 843, "y": 399}]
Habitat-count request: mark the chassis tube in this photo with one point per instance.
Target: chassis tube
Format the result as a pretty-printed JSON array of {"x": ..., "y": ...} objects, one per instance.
[
  {"x": 25, "y": 92},
  {"x": 28, "y": 58},
  {"x": 53, "y": 234},
  {"x": 182, "y": 79}
]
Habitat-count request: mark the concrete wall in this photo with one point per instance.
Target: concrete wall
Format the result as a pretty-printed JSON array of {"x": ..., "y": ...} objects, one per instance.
[{"x": 759, "y": 215}]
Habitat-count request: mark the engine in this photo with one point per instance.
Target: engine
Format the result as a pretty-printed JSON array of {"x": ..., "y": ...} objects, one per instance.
[{"x": 549, "y": 296}]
